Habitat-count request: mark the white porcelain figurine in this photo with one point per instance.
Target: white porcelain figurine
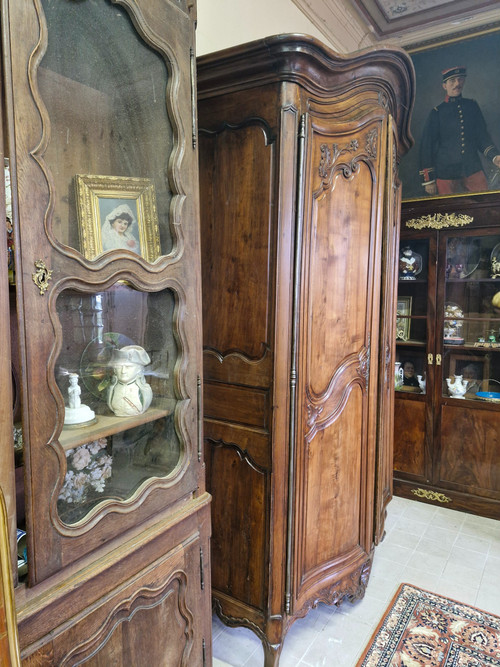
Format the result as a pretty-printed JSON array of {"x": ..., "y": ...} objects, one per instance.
[
  {"x": 398, "y": 375},
  {"x": 76, "y": 412},
  {"x": 129, "y": 394},
  {"x": 458, "y": 387},
  {"x": 421, "y": 383}
]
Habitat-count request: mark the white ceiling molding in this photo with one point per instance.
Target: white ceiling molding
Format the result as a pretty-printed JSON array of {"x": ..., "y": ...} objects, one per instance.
[
  {"x": 347, "y": 30},
  {"x": 456, "y": 26},
  {"x": 340, "y": 23},
  {"x": 396, "y": 17}
]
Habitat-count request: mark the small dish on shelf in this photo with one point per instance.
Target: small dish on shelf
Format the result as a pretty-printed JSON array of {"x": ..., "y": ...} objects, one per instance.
[
  {"x": 462, "y": 257},
  {"x": 491, "y": 396}
]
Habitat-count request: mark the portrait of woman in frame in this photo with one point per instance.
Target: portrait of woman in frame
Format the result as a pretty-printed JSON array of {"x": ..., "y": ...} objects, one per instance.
[{"x": 116, "y": 213}]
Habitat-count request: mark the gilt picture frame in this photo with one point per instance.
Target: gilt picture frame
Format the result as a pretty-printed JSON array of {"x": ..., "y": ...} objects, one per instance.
[
  {"x": 117, "y": 213},
  {"x": 479, "y": 53},
  {"x": 403, "y": 320}
]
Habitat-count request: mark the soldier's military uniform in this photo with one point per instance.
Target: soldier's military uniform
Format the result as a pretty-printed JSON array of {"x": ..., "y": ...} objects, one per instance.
[{"x": 454, "y": 135}]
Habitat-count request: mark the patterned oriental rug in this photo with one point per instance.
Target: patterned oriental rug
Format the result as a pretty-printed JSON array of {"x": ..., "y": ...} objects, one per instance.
[{"x": 421, "y": 628}]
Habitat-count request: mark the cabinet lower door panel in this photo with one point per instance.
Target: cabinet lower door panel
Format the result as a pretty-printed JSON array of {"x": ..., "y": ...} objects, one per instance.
[
  {"x": 409, "y": 439},
  {"x": 470, "y": 450},
  {"x": 149, "y": 620}
]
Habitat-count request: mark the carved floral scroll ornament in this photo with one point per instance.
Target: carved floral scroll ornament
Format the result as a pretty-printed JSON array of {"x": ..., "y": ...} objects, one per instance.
[
  {"x": 324, "y": 408},
  {"x": 331, "y": 157}
]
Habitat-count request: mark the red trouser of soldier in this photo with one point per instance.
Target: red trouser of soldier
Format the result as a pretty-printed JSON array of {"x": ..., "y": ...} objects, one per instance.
[{"x": 474, "y": 183}]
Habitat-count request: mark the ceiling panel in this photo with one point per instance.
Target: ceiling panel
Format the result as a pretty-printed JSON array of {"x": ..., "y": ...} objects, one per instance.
[{"x": 390, "y": 17}]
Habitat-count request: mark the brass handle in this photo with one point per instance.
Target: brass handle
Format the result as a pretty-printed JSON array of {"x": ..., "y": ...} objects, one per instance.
[
  {"x": 438, "y": 360},
  {"x": 430, "y": 359}
]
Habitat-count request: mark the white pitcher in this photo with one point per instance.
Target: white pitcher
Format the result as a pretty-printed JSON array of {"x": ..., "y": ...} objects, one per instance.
[{"x": 458, "y": 387}]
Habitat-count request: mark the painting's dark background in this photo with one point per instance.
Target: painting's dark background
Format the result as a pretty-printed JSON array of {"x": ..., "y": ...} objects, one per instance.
[{"x": 481, "y": 56}]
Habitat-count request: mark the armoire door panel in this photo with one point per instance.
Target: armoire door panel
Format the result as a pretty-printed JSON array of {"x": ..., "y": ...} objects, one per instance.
[
  {"x": 343, "y": 255},
  {"x": 236, "y": 252},
  {"x": 238, "y": 405},
  {"x": 235, "y": 368},
  {"x": 338, "y": 257},
  {"x": 340, "y": 274},
  {"x": 240, "y": 523},
  {"x": 385, "y": 416},
  {"x": 253, "y": 442},
  {"x": 332, "y": 489}
]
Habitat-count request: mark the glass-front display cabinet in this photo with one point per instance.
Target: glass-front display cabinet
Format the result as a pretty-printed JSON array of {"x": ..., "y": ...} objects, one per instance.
[
  {"x": 447, "y": 375},
  {"x": 100, "y": 155}
]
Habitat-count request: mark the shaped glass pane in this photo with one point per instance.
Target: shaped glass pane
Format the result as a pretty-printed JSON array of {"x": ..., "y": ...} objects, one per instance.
[
  {"x": 109, "y": 133},
  {"x": 471, "y": 330},
  {"x": 115, "y": 371}
]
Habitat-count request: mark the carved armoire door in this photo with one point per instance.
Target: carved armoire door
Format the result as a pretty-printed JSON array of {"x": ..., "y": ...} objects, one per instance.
[{"x": 338, "y": 346}]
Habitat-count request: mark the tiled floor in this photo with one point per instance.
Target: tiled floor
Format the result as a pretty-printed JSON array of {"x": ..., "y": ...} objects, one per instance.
[{"x": 438, "y": 549}]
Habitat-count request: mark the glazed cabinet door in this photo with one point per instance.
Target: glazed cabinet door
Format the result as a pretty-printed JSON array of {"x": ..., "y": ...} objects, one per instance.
[
  {"x": 467, "y": 402},
  {"x": 416, "y": 361},
  {"x": 338, "y": 339},
  {"x": 100, "y": 112}
]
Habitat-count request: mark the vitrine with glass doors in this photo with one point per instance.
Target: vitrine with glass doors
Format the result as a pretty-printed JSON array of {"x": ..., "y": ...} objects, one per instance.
[
  {"x": 99, "y": 125},
  {"x": 447, "y": 375}
]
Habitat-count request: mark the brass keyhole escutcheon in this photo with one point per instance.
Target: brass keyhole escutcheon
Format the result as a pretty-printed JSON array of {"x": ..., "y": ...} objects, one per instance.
[{"x": 41, "y": 276}]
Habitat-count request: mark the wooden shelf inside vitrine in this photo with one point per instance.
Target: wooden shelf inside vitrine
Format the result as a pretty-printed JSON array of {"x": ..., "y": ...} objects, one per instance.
[
  {"x": 486, "y": 347},
  {"x": 412, "y": 343},
  {"x": 106, "y": 425},
  {"x": 473, "y": 280}
]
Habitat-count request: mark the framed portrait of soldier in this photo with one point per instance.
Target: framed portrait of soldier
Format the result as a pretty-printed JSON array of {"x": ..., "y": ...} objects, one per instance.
[{"x": 456, "y": 118}]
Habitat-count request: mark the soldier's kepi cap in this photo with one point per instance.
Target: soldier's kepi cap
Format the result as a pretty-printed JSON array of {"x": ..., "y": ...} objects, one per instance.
[{"x": 453, "y": 71}]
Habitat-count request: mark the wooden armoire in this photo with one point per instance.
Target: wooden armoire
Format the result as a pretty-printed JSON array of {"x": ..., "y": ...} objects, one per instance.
[
  {"x": 104, "y": 301},
  {"x": 299, "y": 200}
]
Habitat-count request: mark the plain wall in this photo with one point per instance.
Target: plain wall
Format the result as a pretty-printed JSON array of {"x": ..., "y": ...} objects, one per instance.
[{"x": 225, "y": 23}]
